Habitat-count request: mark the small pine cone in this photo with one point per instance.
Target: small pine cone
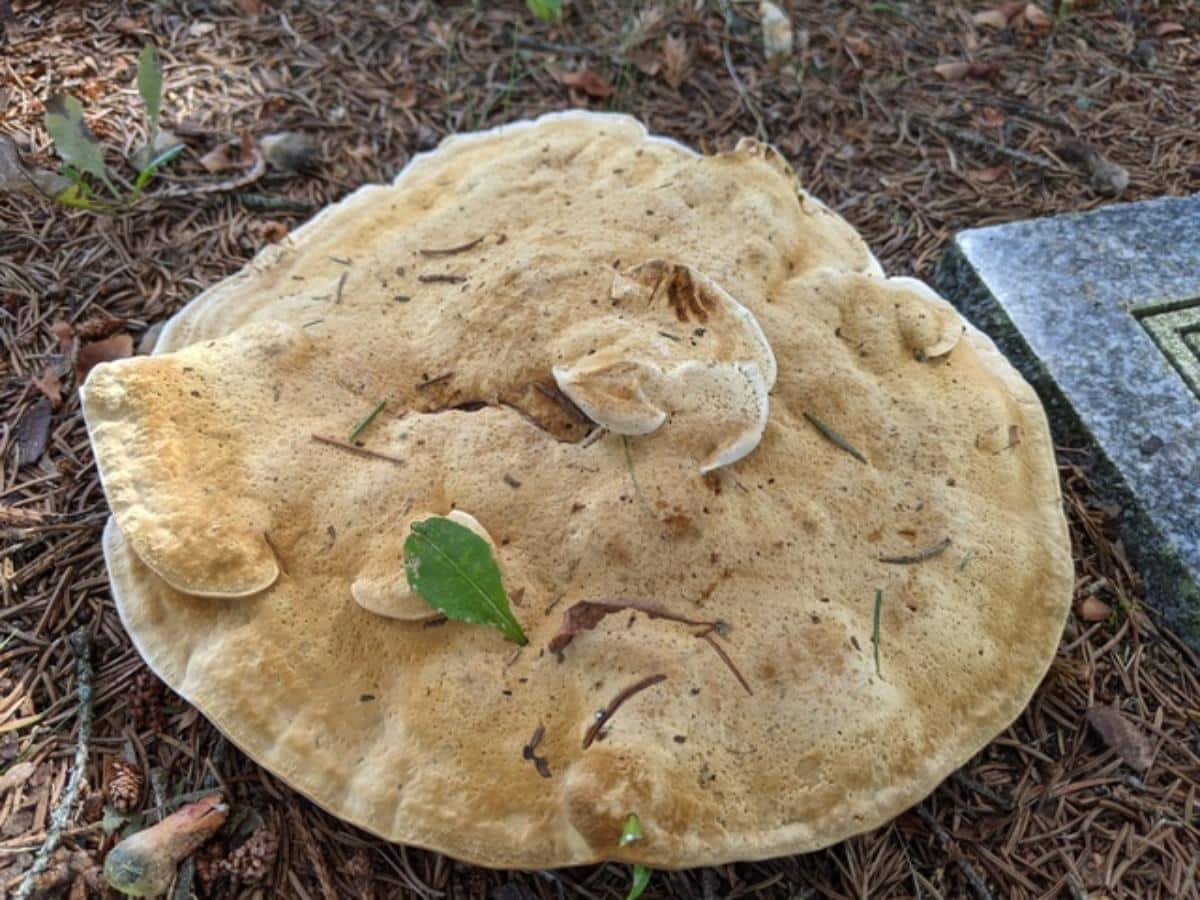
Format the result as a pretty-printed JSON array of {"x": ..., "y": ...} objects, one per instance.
[
  {"x": 125, "y": 785},
  {"x": 210, "y": 865},
  {"x": 358, "y": 867},
  {"x": 146, "y": 702},
  {"x": 252, "y": 862}
]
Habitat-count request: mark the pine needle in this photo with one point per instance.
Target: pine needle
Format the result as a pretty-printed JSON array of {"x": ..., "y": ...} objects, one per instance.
[
  {"x": 367, "y": 420},
  {"x": 875, "y": 627},
  {"x": 834, "y": 438}
]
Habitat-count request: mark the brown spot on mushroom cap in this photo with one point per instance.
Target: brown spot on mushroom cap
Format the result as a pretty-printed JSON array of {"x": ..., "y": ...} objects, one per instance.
[{"x": 823, "y": 749}]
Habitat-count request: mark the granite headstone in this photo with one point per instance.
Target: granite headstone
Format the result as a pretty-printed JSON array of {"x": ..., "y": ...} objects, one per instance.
[{"x": 1101, "y": 312}]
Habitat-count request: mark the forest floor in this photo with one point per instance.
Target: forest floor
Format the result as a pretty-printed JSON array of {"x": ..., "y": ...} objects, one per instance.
[{"x": 911, "y": 119}]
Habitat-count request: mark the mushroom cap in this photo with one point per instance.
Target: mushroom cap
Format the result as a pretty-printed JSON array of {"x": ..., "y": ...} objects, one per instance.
[{"x": 237, "y": 539}]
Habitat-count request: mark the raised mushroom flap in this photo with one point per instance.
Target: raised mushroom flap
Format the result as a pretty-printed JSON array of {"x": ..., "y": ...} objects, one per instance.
[
  {"x": 191, "y": 516},
  {"x": 675, "y": 346},
  {"x": 749, "y": 707}
]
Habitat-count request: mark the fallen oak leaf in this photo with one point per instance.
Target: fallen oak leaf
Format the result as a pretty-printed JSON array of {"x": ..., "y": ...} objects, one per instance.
[
  {"x": 589, "y": 82},
  {"x": 119, "y": 346},
  {"x": 50, "y": 385},
  {"x": 1121, "y": 735}
]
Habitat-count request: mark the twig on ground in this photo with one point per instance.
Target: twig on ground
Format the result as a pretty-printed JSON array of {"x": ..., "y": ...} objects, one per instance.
[
  {"x": 973, "y": 139},
  {"x": 81, "y": 643},
  {"x": 973, "y": 877},
  {"x": 760, "y": 129},
  {"x": 256, "y": 171}
]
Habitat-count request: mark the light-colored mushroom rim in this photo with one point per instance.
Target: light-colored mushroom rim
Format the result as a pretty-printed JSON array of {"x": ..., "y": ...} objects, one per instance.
[
  {"x": 268, "y": 255},
  {"x": 786, "y": 839}
]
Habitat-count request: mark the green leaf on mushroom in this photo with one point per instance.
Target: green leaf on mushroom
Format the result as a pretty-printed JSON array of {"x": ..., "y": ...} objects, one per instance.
[{"x": 453, "y": 570}]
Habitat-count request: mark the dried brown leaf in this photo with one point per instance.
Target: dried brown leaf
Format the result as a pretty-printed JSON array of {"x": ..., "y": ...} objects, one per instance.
[
  {"x": 1166, "y": 29},
  {"x": 991, "y": 18},
  {"x": 988, "y": 175},
  {"x": 221, "y": 158},
  {"x": 1092, "y": 609},
  {"x": 676, "y": 60},
  {"x": 98, "y": 327},
  {"x": 33, "y": 431},
  {"x": 406, "y": 97},
  {"x": 16, "y": 776},
  {"x": 127, "y": 25},
  {"x": 952, "y": 71},
  {"x": 118, "y": 346},
  {"x": 251, "y": 7},
  {"x": 65, "y": 334},
  {"x": 960, "y": 69},
  {"x": 589, "y": 82},
  {"x": 1122, "y": 735},
  {"x": 273, "y": 232},
  {"x": 858, "y": 46},
  {"x": 1037, "y": 17},
  {"x": 991, "y": 117},
  {"x": 50, "y": 385}
]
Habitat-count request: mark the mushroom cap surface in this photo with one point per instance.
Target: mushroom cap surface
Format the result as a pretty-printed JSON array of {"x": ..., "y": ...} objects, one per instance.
[{"x": 455, "y": 294}]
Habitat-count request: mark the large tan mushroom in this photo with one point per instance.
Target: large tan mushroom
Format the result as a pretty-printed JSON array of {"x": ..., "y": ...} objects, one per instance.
[{"x": 830, "y": 463}]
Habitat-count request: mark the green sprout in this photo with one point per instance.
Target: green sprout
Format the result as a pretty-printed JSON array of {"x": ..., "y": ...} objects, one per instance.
[
  {"x": 631, "y": 832},
  {"x": 546, "y": 10}
]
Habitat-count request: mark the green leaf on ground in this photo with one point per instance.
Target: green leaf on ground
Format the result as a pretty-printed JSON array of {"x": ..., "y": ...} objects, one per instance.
[
  {"x": 452, "y": 568},
  {"x": 546, "y": 10},
  {"x": 641, "y": 878},
  {"x": 73, "y": 139},
  {"x": 631, "y": 832},
  {"x": 149, "y": 82}
]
